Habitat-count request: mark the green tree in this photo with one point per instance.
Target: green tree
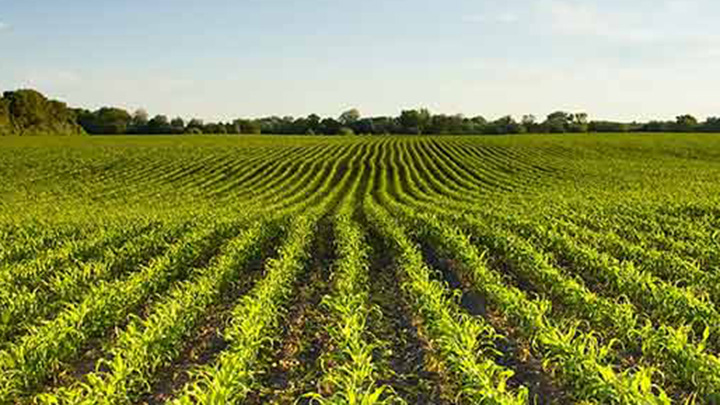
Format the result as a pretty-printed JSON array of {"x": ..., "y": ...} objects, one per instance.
[
  {"x": 349, "y": 117},
  {"x": 415, "y": 121},
  {"x": 504, "y": 125},
  {"x": 578, "y": 123},
  {"x": 686, "y": 123},
  {"x": 313, "y": 123},
  {"x": 529, "y": 122},
  {"x": 475, "y": 125},
  {"x": 214, "y": 128},
  {"x": 345, "y": 131},
  {"x": 712, "y": 124},
  {"x": 28, "y": 112},
  {"x": 139, "y": 122},
  {"x": 178, "y": 125},
  {"x": 558, "y": 122},
  {"x": 608, "y": 126},
  {"x": 446, "y": 124},
  {"x": 248, "y": 126},
  {"x": 330, "y": 126},
  {"x": 6, "y": 126},
  {"x": 159, "y": 124},
  {"x": 112, "y": 120},
  {"x": 195, "y": 126},
  {"x": 232, "y": 128}
]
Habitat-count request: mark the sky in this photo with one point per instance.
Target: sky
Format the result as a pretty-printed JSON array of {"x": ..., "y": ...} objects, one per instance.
[{"x": 224, "y": 59}]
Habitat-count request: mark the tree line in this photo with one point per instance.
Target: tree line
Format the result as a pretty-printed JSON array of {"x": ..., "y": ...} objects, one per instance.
[
  {"x": 27, "y": 112},
  {"x": 25, "y": 109}
]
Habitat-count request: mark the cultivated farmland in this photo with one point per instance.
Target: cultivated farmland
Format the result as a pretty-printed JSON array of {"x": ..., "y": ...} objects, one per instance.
[{"x": 493, "y": 270}]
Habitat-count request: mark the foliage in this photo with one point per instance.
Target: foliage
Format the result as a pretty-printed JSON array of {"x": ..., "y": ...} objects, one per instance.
[
  {"x": 27, "y": 112},
  {"x": 462, "y": 269}
]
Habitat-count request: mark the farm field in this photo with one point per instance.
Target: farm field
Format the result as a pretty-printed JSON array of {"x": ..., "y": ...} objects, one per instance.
[{"x": 359, "y": 270}]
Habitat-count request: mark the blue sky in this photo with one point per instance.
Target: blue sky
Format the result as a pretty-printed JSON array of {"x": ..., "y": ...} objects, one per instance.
[{"x": 218, "y": 59}]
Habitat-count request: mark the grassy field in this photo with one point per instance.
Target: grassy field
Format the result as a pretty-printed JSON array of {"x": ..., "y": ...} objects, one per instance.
[{"x": 234, "y": 269}]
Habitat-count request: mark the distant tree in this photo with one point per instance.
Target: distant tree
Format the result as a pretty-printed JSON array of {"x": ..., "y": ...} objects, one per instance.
[
  {"x": 349, "y": 117},
  {"x": 253, "y": 127},
  {"x": 232, "y": 128},
  {"x": 456, "y": 124},
  {"x": 475, "y": 125},
  {"x": 608, "y": 126},
  {"x": 287, "y": 125},
  {"x": 478, "y": 120},
  {"x": 446, "y": 124},
  {"x": 84, "y": 118},
  {"x": 159, "y": 124},
  {"x": 313, "y": 123},
  {"x": 238, "y": 123},
  {"x": 210, "y": 128},
  {"x": 28, "y": 112},
  {"x": 529, "y": 122},
  {"x": 415, "y": 121},
  {"x": 504, "y": 125},
  {"x": 195, "y": 125},
  {"x": 686, "y": 123},
  {"x": 439, "y": 124},
  {"x": 712, "y": 124},
  {"x": 6, "y": 125},
  {"x": 248, "y": 126},
  {"x": 578, "y": 123},
  {"x": 345, "y": 131},
  {"x": 659, "y": 126},
  {"x": 139, "y": 122},
  {"x": 558, "y": 122},
  {"x": 214, "y": 128},
  {"x": 140, "y": 117},
  {"x": 269, "y": 125},
  {"x": 178, "y": 125},
  {"x": 27, "y": 108},
  {"x": 364, "y": 126},
  {"x": 300, "y": 126},
  {"x": 382, "y": 125},
  {"x": 330, "y": 126},
  {"x": 106, "y": 120}
]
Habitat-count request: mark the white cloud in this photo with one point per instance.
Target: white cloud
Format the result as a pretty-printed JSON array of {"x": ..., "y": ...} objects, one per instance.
[
  {"x": 606, "y": 90},
  {"x": 507, "y": 18},
  {"x": 3, "y": 26},
  {"x": 677, "y": 7},
  {"x": 51, "y": 78},
  {"x": 707, "y": 53},
  {"x": 635, "y": 24},
  {"x": 498, "y": 18},
  {"x": 585, "y": 19}
]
